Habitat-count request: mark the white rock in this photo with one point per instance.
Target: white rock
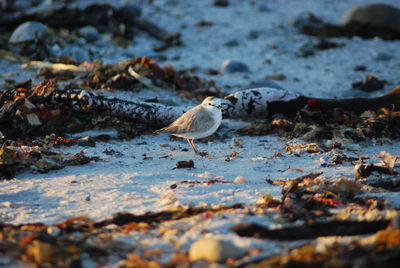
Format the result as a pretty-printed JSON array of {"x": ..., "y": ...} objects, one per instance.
[
  {"x": 53, "y": 230},
  {"x": 214, "y": 249},
  {"x": 239, "y": 180},
  {"x": 28, "y": 32},
  {"x": 7, "y": 204}
]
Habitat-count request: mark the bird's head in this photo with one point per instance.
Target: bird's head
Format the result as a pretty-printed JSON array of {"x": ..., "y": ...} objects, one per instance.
[{"x": 210, "y": 102}]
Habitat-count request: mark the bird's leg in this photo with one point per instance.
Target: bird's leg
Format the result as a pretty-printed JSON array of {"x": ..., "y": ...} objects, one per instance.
[{"x": 191, "y": 142}]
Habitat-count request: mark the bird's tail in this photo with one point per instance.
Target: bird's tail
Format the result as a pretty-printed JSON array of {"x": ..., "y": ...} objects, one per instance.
[{"x": 159, "y": 131}]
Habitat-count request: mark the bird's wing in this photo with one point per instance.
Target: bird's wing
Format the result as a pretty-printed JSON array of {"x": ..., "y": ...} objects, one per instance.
[
  {"x": 203, "y": 121},
  {"x": 183, "y": 123}
]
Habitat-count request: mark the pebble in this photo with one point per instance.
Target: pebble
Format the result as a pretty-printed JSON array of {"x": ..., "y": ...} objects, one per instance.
[
  {"x": 232, "y": 43},
  {"x": 253, "y": 34},
  {"x": 7, "y": 204},
  {"x": 90, "y": 33},
  {"x": 87, "y": 141},
  {"x": 239, "y": 180},
  {"x": 381, "y": 16},
  {"x": 278, "y": 77},
  {"x": 382, "y": 56},
  {"x": 78, "y": 54},
  {"x": 264, "y": 83},
  {"x": 214, "y": 249},
  {"x": 221, "y": 3},
  {"x": 28, "y": 32},
  {"x": 53, "y": 230},
  {"x": 233, "y": 66}
]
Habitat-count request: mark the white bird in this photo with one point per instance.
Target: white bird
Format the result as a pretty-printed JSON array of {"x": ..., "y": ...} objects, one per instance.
[{"x": 199, "y": 122}]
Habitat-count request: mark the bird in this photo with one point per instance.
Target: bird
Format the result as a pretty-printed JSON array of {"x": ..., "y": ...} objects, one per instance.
[{"x": 199, "y": 122}]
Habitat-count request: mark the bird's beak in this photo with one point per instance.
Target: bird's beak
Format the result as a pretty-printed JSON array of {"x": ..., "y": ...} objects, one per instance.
[{"x": 219, "y": 107}]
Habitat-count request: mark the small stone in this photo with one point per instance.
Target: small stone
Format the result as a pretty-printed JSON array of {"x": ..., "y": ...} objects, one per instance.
[
  {"x": 28, "y": 32},
  {"x": 221, "y": 3},
  {"x": 232, "y": 43},
  {"x": 306, "y": 50},
  {"x": 214, "y": 249},
  {"x": 360, "y": 68},
  {"x": 78, "y": 54},
  {"x": 239, "y": 180},
  {"x": 7, "y": 204},
  {"x": 53, "y": 230},
  {"x": 264, "y": 83},
  {"x": 382, "y": 56},
  {"x": 253, "y": 34},
  {"x": 232, "y": 66},
  {"x": 264, "y": 8},
  {"x": 370, "y": 83},
  {"x": 278, "y": 77},
  {"x": 90, "y": 33},
  {"x": 86, "y": 141}
]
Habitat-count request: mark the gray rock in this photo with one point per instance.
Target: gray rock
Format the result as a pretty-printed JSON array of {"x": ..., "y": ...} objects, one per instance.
[
  {"x": 382, "y": 56},
  {"x": 374, "y": 15},
  {"x": 232, "y": 43},
  {"x": 264, "y": 8},
  {"x": 90, "y": 33},
  {"x": 264, "y": 83},
  {"x": 78, "y": 54},
  {"x": 253, "y": 34},
  {"x": 86, "y": 141},
  {"x": 214, "y": 249},
  {"x": 28, "y": 32},
  {"x": 232, "y": 66}
]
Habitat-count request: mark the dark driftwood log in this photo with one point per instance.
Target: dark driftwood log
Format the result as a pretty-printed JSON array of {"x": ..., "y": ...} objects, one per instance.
[
  {"x": 311, "y": 231},
  {"x": 358, "y": 105},
  {"x": 250, "y": 103}
]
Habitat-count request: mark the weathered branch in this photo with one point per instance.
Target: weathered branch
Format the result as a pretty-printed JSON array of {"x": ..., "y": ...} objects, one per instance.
[
  {"x": 250, "y": 103},
  {"x": 311, "y": 231}
]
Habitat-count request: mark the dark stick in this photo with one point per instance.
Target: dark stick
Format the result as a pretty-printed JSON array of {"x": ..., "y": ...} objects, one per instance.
[{"x": 311, "y": 231}]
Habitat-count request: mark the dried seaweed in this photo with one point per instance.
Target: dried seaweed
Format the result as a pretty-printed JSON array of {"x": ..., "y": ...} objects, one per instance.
[
  {"x": 379, "y": 250},
  {"x": 15, "y": 158}
]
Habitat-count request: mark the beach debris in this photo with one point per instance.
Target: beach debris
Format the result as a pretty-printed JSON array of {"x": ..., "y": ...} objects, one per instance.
[
  {"x": 233, "y": 66},
  {"x": 311, "y": 231},
  {"x": 214, "y": 249},
  {"x": 370, "y": 83},
  {"x": 185, "y": 164},
  {"x": 382, "y": 245},
  {"x": 381, "y": 18},
  {"x": 221, "y": 3},
  {"x": 30, "y": 31},
  {"x": 366, "y": 21},
  {"x": 15, "y": 158},
  {"x": 240, "y": 180}
]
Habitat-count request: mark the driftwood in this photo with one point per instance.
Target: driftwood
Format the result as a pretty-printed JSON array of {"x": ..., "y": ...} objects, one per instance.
[
  {"x": 311, "y": 231},
  {"x": 250, "y": 103}
]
